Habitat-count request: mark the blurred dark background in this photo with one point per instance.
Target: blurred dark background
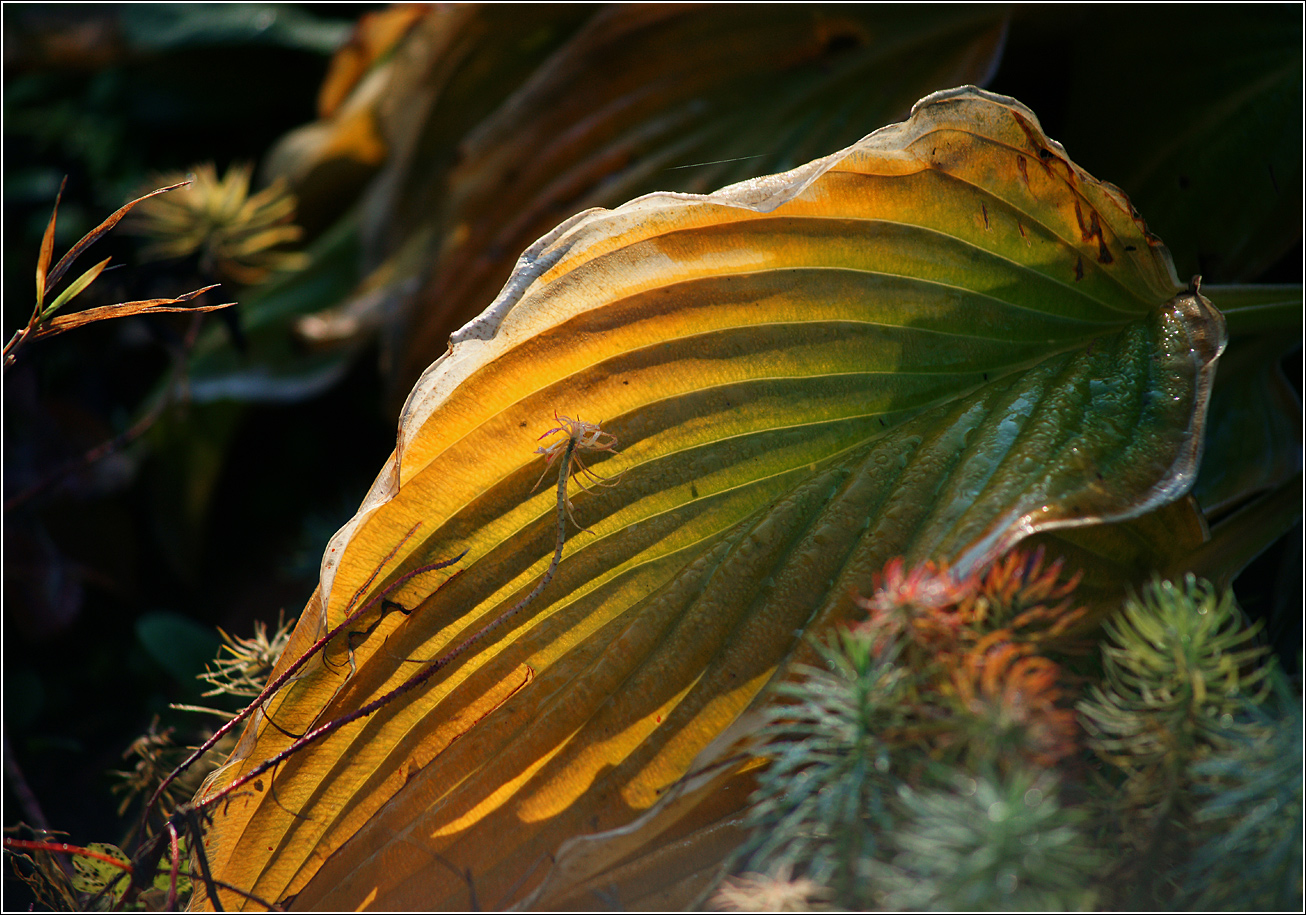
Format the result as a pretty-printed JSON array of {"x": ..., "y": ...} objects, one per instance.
[{"x": 116, "y": 576}]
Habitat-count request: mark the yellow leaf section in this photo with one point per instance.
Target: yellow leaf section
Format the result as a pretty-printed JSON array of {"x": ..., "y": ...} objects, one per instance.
[{"x": 747, "y": 349}]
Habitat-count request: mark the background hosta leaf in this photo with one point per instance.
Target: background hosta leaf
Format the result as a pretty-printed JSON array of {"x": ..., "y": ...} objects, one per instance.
[
  {"x": 675, "y": 114},
  {"x": 933, "y": 343},
  {"x": 1254, "y": 439},
  {"x": 487, "y": 125}
]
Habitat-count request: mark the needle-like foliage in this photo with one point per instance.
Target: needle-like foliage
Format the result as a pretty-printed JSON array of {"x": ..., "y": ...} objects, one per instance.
[
  {"x": 942, "y": 678},
  {"x": 1178, "y": 667},
  {"x": 824, "y": 799},
  {"x": 989, "y": 843},
  {"x": 1251, "y": 812},
  {"x": 243, "y": 666}
]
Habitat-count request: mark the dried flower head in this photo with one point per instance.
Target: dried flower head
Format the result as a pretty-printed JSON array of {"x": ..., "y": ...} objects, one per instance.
[
  {"x": 247, "y": 663},
  {"x": 765, "y": 893},
  {"x": 238, "y": 236}
]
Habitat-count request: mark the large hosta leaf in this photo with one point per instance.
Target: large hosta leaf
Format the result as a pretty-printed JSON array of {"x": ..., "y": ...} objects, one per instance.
[{"x": 934, "y": 343}]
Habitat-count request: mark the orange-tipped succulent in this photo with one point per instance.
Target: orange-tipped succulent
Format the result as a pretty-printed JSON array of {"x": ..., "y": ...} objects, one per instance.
[
  {"x": 1016, "y": 699},
  {"x": 920, "y": 603},
  {"x": 1024, "y": 597}
]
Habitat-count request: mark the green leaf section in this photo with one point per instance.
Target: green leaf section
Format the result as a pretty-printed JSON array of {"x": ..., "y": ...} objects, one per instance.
[
  {"x": 935, "y": 343},
  {"x": 177, "y": 643},
  {"x": 95, "y": 875},
  {"x": 1254, "y": 433},
  {"x": 1253, "y": 309}
]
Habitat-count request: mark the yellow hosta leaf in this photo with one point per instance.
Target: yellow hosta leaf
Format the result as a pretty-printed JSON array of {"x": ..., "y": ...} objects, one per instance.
[{"x": 934, "y": 343}]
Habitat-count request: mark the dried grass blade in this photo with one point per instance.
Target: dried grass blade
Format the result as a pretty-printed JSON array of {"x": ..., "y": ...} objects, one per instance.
[
  {"x": 75, "y": 287},
  {"x": 47, "y": 249},
  {"x": 95, "y": 234},
  {"x": 123, "y": 310}
]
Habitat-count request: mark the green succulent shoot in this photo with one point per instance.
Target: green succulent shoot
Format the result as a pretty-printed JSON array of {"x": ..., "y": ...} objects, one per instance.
[{"x": 1179, "y": 663}]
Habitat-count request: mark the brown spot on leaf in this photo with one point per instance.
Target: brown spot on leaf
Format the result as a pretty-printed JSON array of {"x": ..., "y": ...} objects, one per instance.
[
  {"x": 1130, "y": 248},
  {"x": 985, "y": 211},
  {"x": 1079, "y": 268},
  {"x": 1024, "y": 169},
  {"x": 1026, "y": 126},
  {"x": 1103, "y": 255},
  {"x": 1093, "y": 230}
]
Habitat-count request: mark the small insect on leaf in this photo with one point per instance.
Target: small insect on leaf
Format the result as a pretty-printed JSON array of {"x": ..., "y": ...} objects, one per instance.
[{"x": 580, "y": 436}]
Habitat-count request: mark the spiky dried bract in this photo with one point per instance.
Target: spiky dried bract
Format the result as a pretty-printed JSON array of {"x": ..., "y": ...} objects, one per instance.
[
  {"x": 988, "y": 843},
  {"x": 584, "y": 438},
  {"x": 1179, "y": 665},
  {"x": 243, "y": 665},
  {"x": 823, "y": 800},
  {"x": 1251, "y": 809},
  {"x": 238, "y": 236},
  {"x": 156, "y": 756},
  {"x": 765, "y": 893}
]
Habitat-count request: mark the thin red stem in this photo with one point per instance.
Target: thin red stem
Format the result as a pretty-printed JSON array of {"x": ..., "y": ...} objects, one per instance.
[
  {"x": 174, "y": 850},
  {"x": 425, "y": 673},
  {"x": 65, "y": 848},
  {"x": 286, "y": 675}
]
